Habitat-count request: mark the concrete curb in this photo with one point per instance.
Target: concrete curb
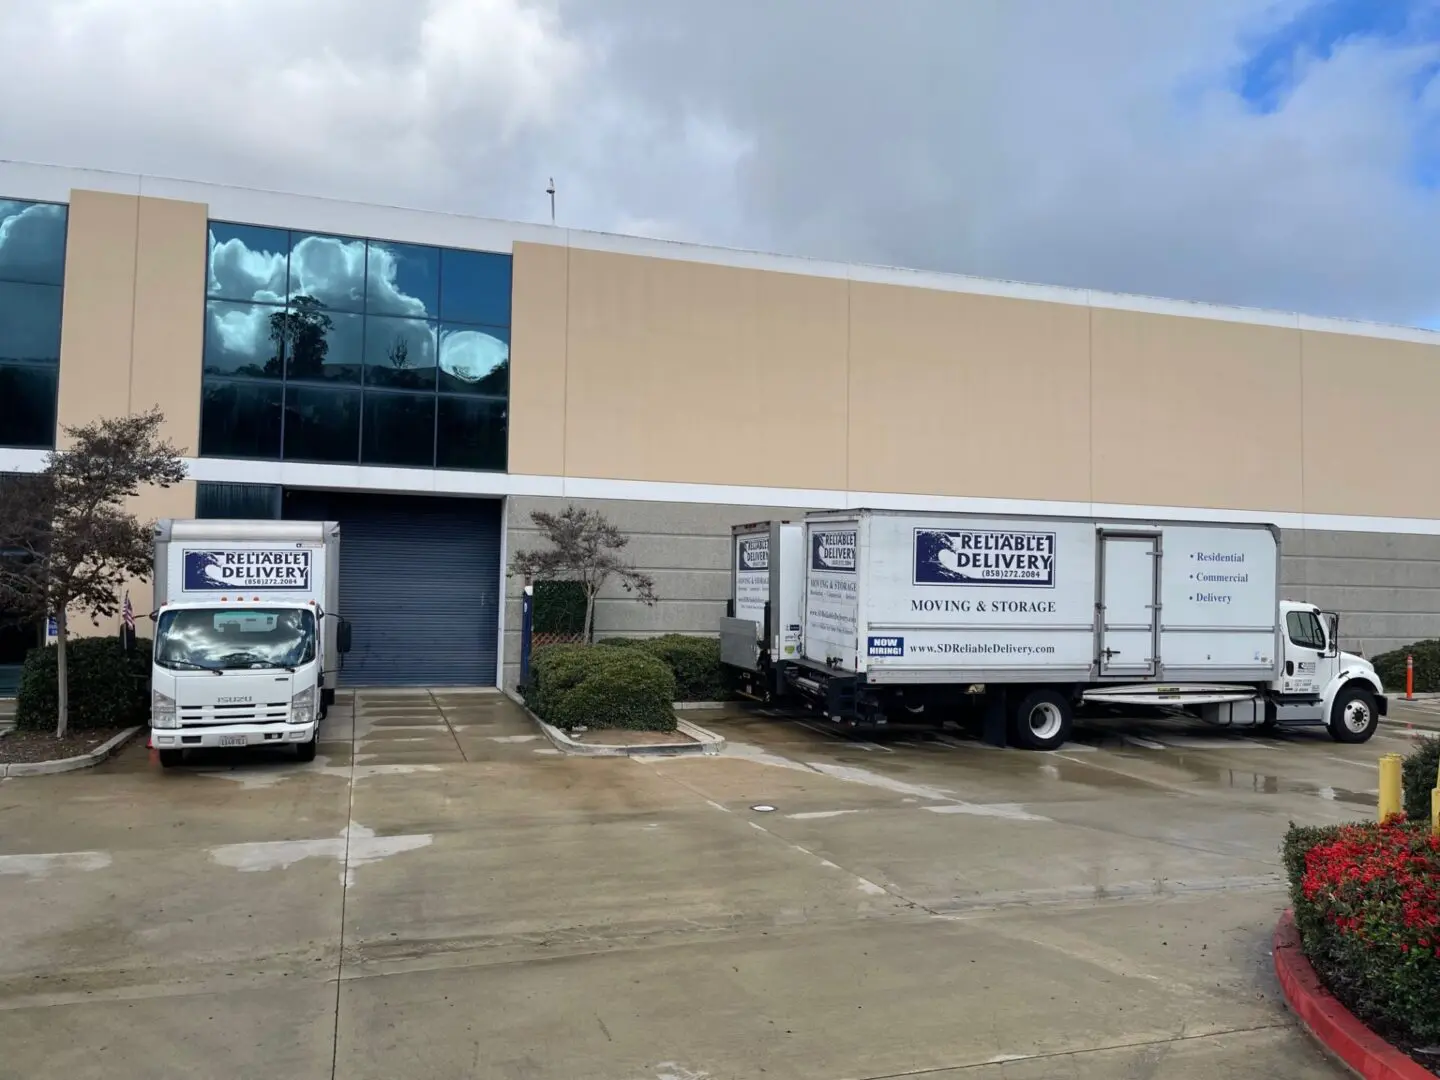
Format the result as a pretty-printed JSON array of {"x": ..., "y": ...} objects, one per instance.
[
  {"x": 83, "y": 761},
  {"x": 1334, "y": 1026},
  {"x": 707, "y": 742},
  {"x": 682, "y": 706}
]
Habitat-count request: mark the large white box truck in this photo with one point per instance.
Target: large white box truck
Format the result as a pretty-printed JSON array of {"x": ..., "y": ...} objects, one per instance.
[
  {"x": 248, "y": 635},
  {"x": 1021, "y": 620}
]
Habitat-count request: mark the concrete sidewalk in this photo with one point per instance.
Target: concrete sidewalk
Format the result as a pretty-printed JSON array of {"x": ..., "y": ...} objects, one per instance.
[{"x": 440, "y": 894}]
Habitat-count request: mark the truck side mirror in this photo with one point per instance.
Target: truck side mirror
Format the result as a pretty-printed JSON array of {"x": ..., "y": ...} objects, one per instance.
[{"x": 342, "y": 636}]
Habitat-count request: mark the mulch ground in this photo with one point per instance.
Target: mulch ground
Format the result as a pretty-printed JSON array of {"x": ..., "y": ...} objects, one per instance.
[{"x": 27, "y": 746}]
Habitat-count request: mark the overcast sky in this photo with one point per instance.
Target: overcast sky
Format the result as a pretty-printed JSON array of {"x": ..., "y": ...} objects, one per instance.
[{"x": 1274, "y": 153}]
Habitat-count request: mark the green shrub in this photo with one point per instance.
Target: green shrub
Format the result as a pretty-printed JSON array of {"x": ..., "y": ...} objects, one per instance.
[
  {"x": 554, "y": 670},
  {"x": 1419, "y": 772},
  {"x": 1367, "y": 905},
  {"x": 108, "y": 687},
  {"x": 694, "y": 661},
  {"x": 584, "y": 685},
  {"x": 1390, "y": 667},
  {"x": 621, "y": 689},
  {"x": 559, "y": 607}
]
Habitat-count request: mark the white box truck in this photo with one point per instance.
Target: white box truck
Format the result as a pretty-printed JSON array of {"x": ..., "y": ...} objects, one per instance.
[
  {"x": 1023, "y": 619},
  {"x": 248, "y": 636},
  {"x": 761, "y": 631}
]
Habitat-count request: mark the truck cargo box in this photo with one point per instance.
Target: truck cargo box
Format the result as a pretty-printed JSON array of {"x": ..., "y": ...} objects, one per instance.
[{"x": 906, "y": 597}]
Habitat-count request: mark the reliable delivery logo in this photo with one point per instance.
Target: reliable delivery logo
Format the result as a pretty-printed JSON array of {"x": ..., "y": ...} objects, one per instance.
[
  {"x": 833, "y": 551},
  {"x": 247, "y": 568},
  {"x": 984, "y": 557},
  {"x": 752, "y": 553}
]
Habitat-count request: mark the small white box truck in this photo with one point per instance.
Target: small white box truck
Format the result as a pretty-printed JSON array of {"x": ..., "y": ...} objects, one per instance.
[
  {"x": 248, "y": 637},
  {"x": 1021, "y": 620}
]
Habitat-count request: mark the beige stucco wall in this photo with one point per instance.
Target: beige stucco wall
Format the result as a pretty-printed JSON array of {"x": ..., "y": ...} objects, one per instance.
[
  {"x": 133, "y": 333},
  {"x": 661, "y": 370}
]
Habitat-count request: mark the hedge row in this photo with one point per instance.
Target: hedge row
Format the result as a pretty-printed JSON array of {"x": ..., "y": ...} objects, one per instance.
[
  {"x": 108, "y": 686},
  {"x": 1367, "y": 905},
  {"x": 1419, "y": 773},
  {"x": 1390, "y": 667},
  {"x": 582, "y": 685},
  {"x": 694, "y": 661}
]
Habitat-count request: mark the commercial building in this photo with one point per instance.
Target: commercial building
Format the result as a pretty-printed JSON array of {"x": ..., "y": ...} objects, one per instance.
[{"x": 430, "y": 379}]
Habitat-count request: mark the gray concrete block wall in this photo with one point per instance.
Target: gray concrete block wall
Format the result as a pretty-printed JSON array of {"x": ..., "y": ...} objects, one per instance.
[
  {"x": 1386, "y": 586},
  {"x": 685, "y": 547}
]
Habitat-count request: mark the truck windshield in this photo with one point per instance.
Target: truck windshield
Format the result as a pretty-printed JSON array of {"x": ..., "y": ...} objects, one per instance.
[{"x": 238, "y": 638}]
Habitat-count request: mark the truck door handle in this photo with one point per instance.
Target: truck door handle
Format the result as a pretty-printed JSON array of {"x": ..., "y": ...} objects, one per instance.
[{"x": 1108, "y": 653}]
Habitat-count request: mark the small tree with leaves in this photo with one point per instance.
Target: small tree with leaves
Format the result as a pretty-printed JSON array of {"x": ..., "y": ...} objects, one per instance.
[
  {"x": 584, "y": 547},
  {"x": 70, "y": 541}
]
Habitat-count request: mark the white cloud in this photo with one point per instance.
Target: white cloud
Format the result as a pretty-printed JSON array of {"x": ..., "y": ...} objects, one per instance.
[{"x": 1088, "y": 142}]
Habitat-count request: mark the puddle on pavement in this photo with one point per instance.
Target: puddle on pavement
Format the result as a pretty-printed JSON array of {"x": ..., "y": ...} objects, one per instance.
[{"x": 1267, "y": 783}]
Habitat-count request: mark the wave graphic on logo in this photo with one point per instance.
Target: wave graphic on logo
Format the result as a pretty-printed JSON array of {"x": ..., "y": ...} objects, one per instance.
[{"x": 202, "y": 571}]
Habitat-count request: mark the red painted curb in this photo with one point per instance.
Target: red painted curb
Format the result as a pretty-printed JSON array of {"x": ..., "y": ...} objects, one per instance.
[{"x": 1330, "y": 1022}]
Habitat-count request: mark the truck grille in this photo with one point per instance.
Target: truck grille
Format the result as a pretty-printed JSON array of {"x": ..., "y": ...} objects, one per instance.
[{"x": 276, "y": 712}]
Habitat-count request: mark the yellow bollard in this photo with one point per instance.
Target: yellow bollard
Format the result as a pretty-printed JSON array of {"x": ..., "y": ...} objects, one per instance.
[
  {"x": 1435, "y": 811},
  {"x": 1392, "y": 798}
]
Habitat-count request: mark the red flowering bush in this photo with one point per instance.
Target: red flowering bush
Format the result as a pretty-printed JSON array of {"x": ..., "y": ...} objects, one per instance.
[{"x": 1367, "y": 905}]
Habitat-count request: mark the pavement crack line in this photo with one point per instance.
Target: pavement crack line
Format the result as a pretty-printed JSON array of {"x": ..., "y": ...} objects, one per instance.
[
  {"x": 345, "y": 882},
  {"x": 448, "y": 726},
  {"x": 1051, "y": 1055}
]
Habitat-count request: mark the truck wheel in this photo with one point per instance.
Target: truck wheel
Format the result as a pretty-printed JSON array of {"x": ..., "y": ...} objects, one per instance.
[
  {"x": 305, "y": 751},
  {"x": 1353, "y": 716},
  {"x": 1042, "y": 721},
  {"x": 170, "y": 758}
]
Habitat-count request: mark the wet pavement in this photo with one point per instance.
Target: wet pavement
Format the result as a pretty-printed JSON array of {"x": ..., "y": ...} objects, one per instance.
[{"x": 441, "y": 894}]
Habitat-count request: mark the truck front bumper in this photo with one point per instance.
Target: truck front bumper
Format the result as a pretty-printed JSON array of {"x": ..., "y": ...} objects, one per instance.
[{"x": 231, "y": 736}]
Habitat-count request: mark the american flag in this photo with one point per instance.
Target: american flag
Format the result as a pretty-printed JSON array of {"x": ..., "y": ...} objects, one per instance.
[{"x": 127, "y": 613}]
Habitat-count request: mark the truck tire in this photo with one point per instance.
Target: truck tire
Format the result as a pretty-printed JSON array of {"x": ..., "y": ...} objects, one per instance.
[
  {"x": 170, "y": 758},
  {"x": 1042, "y": 721},
  {"x": 1353, "y": 715},
  {"x": 305, "y": 751}
]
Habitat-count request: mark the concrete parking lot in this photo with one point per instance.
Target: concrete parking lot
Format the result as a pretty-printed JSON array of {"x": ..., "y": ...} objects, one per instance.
[{"x": 441, "y": 894}]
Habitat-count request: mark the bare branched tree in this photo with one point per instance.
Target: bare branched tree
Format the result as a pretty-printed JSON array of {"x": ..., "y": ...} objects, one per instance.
[
  {"x": 584, "y": 547},
  {"x": 68, "y": 539}
]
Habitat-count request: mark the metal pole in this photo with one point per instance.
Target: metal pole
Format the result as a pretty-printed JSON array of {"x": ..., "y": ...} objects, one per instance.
[{"x": 527, "y": 605}]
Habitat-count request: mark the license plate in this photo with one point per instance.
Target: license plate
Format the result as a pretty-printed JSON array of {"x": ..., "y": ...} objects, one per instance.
[{"x": 233, "y": 740}]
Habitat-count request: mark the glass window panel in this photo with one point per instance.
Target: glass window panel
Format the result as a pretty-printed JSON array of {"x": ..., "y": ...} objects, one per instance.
[
  {"x": 321, "y": 345},
  {"x": 474, "y": 360},
  {"x": 240, "y": 419},
  {"x": 244, "y": 339},
  {"x": 32, "y": 242},
  {"x": 471, "y": 434},
  {"x": 27, "y": 406},
  {"x": 329, "y": 270},
  {"x": 475, "y": 287},
  {"x": 402, "y": 279},
  {"x": 247, "y": 262},
  {"x": 400, "y": 353},
  {"x": 399, "y": 429},
  {"x": 30, "y": 323},
  {"x": 322, "y": 424},
  {"x": 245, "y": 501}
]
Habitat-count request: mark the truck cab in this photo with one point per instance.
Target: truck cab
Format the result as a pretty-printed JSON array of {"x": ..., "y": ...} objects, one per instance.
[
  {"x": 1318, "y": 682},
  {"x": 247, "y": 643}
]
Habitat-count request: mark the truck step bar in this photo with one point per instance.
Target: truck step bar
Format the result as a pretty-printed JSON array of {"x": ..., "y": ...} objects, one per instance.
[{"x": 1167, "y": 695}]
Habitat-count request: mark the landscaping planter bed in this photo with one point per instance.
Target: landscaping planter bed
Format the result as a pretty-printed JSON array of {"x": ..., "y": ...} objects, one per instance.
[{"x": 1367, "y": 910}]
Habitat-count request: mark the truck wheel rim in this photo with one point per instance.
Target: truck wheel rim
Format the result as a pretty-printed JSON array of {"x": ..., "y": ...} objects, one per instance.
[
  {"x": 1045, "y": 721},
  {"x": 1357, "y": 716}
]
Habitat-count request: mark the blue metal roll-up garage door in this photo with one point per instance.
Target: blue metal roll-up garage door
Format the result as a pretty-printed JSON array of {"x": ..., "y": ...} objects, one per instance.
[{"x": 419, "y": 582}]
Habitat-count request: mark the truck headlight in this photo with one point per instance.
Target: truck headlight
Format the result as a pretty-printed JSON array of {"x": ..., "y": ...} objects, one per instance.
[
  {"x": 302, "y": 706},
  {"x": 162, "y": 710}
]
